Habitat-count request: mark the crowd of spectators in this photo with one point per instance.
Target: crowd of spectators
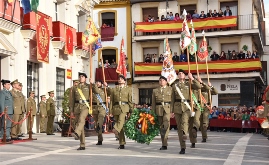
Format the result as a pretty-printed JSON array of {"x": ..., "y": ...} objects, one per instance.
[
  {"x": 153, "y": 58},
  {"x": 108, "y": 65},
  {"x": 171, "y": 17}
]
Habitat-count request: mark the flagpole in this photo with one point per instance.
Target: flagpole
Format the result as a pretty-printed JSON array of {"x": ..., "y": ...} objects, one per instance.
[
  {"x": 190, "y": 81},
  {"x": 197, "y": 70},
  {"x": 90, "y": 67},
  {"x": 104, "y": 78},
  {"x": 209, "y": 92}
]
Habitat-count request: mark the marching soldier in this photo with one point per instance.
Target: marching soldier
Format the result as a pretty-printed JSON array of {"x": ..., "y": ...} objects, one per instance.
[
  {"x": 204, "y": 120},
  {"x": 182, "y": 108},
  {"x": 43, "y": 113},
  {"x": 99, "y": 110},
  {"x": 23, "y": 100},
  {"x": 50, "y": 106},
  {"x": 120, "y": 105},
  {"x": 6, "y": 101},
  {"x": 79, "y": 106},
  {"x": 18, "y": 110},
  {"x": 75, "y": 83},
  {"x": 161, "y": 103},
  {"x": 31, "y": 106}
]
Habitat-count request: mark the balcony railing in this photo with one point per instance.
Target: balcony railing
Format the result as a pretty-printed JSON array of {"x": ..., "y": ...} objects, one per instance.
[
  {"x": 225, "y": 66},
  {"x": 107, "y": 34},
  {"x": 110, "y": 74},
  {"x": 240, "y": 22}
]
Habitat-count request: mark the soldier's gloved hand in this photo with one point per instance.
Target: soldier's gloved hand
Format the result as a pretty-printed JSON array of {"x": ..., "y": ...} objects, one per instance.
[
  {"x": 192, "y": 114},
  {"x": 105, "y": 84}
]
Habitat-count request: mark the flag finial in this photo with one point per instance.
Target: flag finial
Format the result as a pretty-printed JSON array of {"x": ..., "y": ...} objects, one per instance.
[
  {"x": 191, "y": 22},
  {"x": 184, "y": 12},
  {"x": 203, "y": 33}
]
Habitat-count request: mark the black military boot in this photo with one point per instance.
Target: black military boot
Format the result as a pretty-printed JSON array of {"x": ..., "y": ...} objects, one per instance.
[
  {"x": 204, "y": 140},
  {"x": 163, "y": 148},
  {"x": 121, "y": 147},
  {"x": 99, "y": 143},
  {"x": 192, "y": 145},
  {"x": 182, "y": 151}
]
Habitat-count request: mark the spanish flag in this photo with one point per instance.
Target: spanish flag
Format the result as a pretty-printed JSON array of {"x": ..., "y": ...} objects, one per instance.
[
  {"x": 68, "y": 73},
  {"x": 91, "y": 34}
]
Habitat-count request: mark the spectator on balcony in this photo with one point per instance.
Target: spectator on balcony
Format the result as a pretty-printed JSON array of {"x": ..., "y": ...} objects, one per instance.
[
  {"x": 147, "y": 59},
  {"x": 183, "y": 57},
  {"x": 195, "y": 15},
  {"x": 210, "y": 14},
  {"x": 175, "y": 58},
  {"x": 221, "y": 116},
  {"x": 177, "y": 17},
  {"x": 222, "y": 56},
  {"x": 228, "y": 12},
  {"x": 150, "y": 18},
  {"x": 241, "y": 55},
  {"x": 220, "y": 13},
  {"x": 215, "y": 113},
  {"x": 202, "y": 15},
  {"x": 248, "y": 55},
  {"x": 189, "y": 17},
  {"x": 233, "y": 56},
  {"x": 154, "y": 58},
  {"x": 228, "y": 117},
  {"x": 253, "y": 117},
  {"x": 215, "y": 14},
  {"x": 167, "y": 16},
  {"x": 254, "y": 54},
  {"x": 163, "y": 18},
  {"x": 161, "y": 58},
  {"x": 245, "y": 116},
  {"x": 171, "y": 16},
  {"x": 113, "y": 64},
  {"x": 106, "y": 65},
  {"x": 214, "y": 56}
]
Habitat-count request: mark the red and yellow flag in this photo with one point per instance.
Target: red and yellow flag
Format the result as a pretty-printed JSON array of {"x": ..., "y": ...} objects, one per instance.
[
  {"x": 121, "y": 68},
  {"x": 68, "y": 73},
  {"x": 91, "y": 34}
]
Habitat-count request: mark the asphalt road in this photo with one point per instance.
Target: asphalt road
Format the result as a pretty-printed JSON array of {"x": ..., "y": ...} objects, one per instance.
[{"x": 221, "y": 148}]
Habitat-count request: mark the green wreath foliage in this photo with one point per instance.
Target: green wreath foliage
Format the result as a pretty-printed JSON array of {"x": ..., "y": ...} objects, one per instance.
[{"x": 131, "y": 127}]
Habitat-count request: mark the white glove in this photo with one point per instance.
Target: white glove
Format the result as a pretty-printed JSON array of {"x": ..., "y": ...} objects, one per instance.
[{"x": 192, "y": 114}]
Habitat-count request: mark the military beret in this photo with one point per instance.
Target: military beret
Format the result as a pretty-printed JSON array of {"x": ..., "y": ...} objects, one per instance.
[
  {"x": 14, "y": 82},
  {"x": 181, "y": 70},
  {"x": 121, "y": 76},
  {"x": 42, "y": 96},
  {"x": 83, "y": 74},
  {"x": 99, "y": 81},
  {"x": 4, "y": 81},
  {"x": 51, "y": 92},
  {"x": 164, "y": 78},
  {"x": 75, "y": 81}
]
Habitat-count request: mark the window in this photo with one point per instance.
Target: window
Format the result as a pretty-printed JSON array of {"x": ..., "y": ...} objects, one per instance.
[
  {"x": 109, "y": 54},
  {"x": 229, "y": 47},
  {"x": 153, "y": 12},
  {"x": 189, "y": 9},
  {"x": 56, "y": 12},
  {"x": 108, "y": 18},
  {"x": 145, "y": 96},
  {"x": 60, "y": 85},
  {"x": 32, "y": 78},
  {"x": 229, "y": 99},
  {"x": 233, "y": 7},
  {"x": 81, "y": 21},
  {"x": 150, "y": 52}
]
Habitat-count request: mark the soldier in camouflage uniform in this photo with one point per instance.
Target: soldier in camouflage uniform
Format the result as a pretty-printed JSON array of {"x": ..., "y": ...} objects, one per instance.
[
  {"x": 161, "y": 104},
  {"x": 182, "y": 107}
]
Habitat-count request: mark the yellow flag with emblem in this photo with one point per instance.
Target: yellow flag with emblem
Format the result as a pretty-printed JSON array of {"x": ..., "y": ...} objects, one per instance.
[
  {"x": 91, "y": 34},
  {"x": 83, "y": 98}
]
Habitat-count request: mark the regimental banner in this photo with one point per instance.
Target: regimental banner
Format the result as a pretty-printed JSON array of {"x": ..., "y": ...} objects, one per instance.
[
  {"x": 68, "y": 73},
  {"x": 68, "y": 40},
  {"x": 213, "y": 66},
  {"x": 199, "y": 24},
  {"x": 42, "y": 37}
]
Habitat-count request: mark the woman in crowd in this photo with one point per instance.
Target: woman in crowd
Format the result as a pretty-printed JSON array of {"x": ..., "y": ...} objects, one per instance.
[
  {"x": 222, "y": 56},
  {"x": 177, "y": 17}
]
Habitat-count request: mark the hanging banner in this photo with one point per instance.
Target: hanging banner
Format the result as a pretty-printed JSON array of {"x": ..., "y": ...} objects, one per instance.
[
  {"x": 68, "y": 40},
  {"x": 68, "y": 73},
  {"x": 42, "y": 37}
]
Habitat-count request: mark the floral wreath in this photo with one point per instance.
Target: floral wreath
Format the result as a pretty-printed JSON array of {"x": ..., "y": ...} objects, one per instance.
[{"x": 149, "y": 126}]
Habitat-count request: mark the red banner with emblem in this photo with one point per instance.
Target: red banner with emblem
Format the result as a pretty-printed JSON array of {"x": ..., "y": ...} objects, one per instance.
[
  {"x": 42, "y": 37},
  {"x": 68, "y": 40}
]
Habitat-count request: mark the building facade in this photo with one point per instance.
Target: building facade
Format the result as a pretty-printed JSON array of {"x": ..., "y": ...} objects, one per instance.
[
  {"x": 247, "y": 33},
  {"x": 18, "y": 47}
]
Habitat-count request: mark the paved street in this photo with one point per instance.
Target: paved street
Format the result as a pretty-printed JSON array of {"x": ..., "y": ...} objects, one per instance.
[{"x": 221, "y": 148}]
